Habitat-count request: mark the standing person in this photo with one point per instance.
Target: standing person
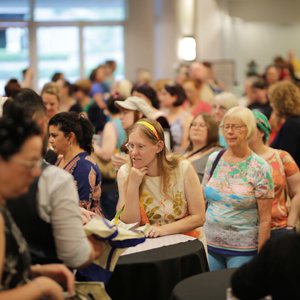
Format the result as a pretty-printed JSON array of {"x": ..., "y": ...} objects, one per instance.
[
  {"x": 239, "y": 193},
  {"x": 285, "y": 101},
  {"x": 222, "y": 103},
  {"x": 171, "y": 97},
  {"x": 112, "y": 139},
  {"x": 20, "y": 163},
  {"x": 50, "y": 96},
  {"x": 203, "y": 136},
  {"x": 158, "y": 188},
  {"x": 71, "y": 137},
  {"x": 194, "y": 103},
  {"x": 286, "y": 177}
]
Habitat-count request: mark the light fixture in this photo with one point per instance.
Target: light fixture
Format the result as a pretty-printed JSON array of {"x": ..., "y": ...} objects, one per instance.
[{"x": 187, "y": 48}]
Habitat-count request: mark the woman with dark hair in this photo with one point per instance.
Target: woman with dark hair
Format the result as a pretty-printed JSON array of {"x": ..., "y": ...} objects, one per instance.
[
  {"x": 171, "y": 98},
  {"x": 20, "y": 163},
  {"x": 71, "y": 137},
  {"x": 203, "y": 137}
]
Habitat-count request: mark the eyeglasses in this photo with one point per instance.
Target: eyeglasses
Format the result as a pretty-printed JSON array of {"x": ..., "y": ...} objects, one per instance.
[
  {"x": 131, "y": 147},
  {"x": 233, "y": 127},
  {"x": 29, "y": 165},
  {"x": 200, "y": 124}
]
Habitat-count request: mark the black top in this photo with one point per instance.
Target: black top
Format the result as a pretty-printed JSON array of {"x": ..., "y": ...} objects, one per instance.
[
  {"x": 265, "y": 109},
  {"x": 288, "y": 138},
  {"x": 275, "y": 271},
  {"x": 35, "y": 230},
  {"x": 17, "y": 259}
]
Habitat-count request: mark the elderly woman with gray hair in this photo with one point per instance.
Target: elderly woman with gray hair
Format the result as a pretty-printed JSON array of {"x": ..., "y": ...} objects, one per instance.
[
  {"x": 238, "y": 188},
  {"x": 286, "y": 177}
]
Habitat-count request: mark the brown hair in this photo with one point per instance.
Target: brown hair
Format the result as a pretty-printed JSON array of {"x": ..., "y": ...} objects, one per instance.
[
  {"x": 212, "y": 131},
  {"x": 285, "y": 97},
  {"x": 167, "y": 162}
]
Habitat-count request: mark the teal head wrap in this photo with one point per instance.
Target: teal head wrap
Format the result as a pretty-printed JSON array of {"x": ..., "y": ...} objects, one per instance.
[{"x": 262, "y": 124}]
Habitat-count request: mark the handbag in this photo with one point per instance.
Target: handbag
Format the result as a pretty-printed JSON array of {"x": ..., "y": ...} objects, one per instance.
[{"x": 106, "y": 167}]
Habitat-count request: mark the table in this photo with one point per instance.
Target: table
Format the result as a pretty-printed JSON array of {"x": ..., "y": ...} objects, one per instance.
[
  {"x": 152, "y": 274},
  {"x": 206, "y": 286}
]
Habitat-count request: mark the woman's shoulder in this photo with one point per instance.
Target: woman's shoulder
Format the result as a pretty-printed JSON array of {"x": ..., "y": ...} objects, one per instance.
[{"x": 255, "y": 161}]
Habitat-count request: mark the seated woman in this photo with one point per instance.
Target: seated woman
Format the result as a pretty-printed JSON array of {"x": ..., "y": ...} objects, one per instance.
[
  {"x": 20, "y": 163},
  {"x": 71, "y": 137},
  {"x": 157, "y": 187},
  {"x": 286, "y": 177},
  {"x": 203, "y": 136},
  {"x": 239, "y": 192}
]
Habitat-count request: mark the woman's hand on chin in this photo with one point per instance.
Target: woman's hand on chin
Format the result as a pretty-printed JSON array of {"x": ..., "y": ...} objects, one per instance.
[{"x": 137, "y": 175}]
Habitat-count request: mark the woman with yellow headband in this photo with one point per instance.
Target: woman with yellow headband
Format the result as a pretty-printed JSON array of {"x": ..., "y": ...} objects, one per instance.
[{"x": 159, "y": 188}]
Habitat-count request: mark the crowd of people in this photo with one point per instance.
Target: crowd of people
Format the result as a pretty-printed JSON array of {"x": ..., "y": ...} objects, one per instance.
[{"x": 183, "y": 155}]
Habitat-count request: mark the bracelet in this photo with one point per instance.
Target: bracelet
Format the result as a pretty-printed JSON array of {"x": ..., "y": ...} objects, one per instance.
[{"x": 288, "y": 227}]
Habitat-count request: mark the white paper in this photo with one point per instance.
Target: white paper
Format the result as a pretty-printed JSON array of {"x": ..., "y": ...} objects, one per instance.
[{"x": 153, "y": 243}]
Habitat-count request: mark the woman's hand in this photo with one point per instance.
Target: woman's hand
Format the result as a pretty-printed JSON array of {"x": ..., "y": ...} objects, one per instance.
[
  {"x": 98, "y": 246},
  {"x": 119, "y": 160},
  {"x": 86, "y": 215},
  {"x": 156, "y": 231},
  {"x": 58, "y": 272},
  {"x": 137, "y": 175},
  {"x": 49, "y": 288}
]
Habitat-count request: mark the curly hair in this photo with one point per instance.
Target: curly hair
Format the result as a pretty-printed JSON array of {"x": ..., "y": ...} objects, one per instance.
[
  {"x": 82, "y": 128},
  {"x": 15, "y": 129},
  {"x": 285, "y": 98}
]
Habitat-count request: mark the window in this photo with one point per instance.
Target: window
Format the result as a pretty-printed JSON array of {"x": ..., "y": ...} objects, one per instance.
[
  {"x": 68, "y": 36},
  {"x": 78, "y": 10}
]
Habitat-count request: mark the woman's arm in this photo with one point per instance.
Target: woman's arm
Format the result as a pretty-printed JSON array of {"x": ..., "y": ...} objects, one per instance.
[
  {"x": 196, "y": 208},
  {"x": 129, "y": 194},
  {"x": 109, "y": 142},
  {"x": 264, "y": 218},
  {"x": 34, "y": 290},
  {"x": 293, "y": 183}
]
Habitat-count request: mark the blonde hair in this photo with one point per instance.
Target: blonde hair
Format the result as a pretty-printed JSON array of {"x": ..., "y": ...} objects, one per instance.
[
  {"x": 285, "y": 97},
  {"x": 167, "y": 162},
  {"x": 51, "y": 88},
  {"x": 226, "y": 99},
  {"x": 245, "y": 115}
]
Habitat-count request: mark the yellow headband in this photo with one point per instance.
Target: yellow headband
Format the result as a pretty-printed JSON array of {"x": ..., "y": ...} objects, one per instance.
[{"x": 150, "y": 126}]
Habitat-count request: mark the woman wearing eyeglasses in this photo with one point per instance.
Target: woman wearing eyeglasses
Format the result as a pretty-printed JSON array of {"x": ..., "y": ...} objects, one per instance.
[
  {"x": 203, "y": 136},
  {"x": 71, "y": 137},
  {"x": 239, "y": 193},
  {"x": 20, "y": 156},
  {"x": 159, "y": 188}
]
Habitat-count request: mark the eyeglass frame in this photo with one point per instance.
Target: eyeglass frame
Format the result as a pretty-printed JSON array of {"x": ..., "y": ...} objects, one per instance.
[
  {"x": 233, "y": 127},
  {"x": 29, "y": 165},
  {"x": 140, "y": 148}
]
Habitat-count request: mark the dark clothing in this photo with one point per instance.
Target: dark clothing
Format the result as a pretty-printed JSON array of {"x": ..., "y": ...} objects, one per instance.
[
  {"x": 76, "y": 107},
  {"x": 265, "y": 109},
  {"x": 16, "y": 268},
  {"x": 35, "y": 230},
  {"x": 97, "y": 117},
  {"x": 51, "y": 157},
  {"x": 275, "y": 271},
  {"x": 288, "y": 138}
]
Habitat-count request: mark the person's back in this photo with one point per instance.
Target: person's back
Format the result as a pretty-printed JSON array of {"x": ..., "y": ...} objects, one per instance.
[
  {"x": 275, "y": 271},
  {"x": 53, "y": 232}
]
